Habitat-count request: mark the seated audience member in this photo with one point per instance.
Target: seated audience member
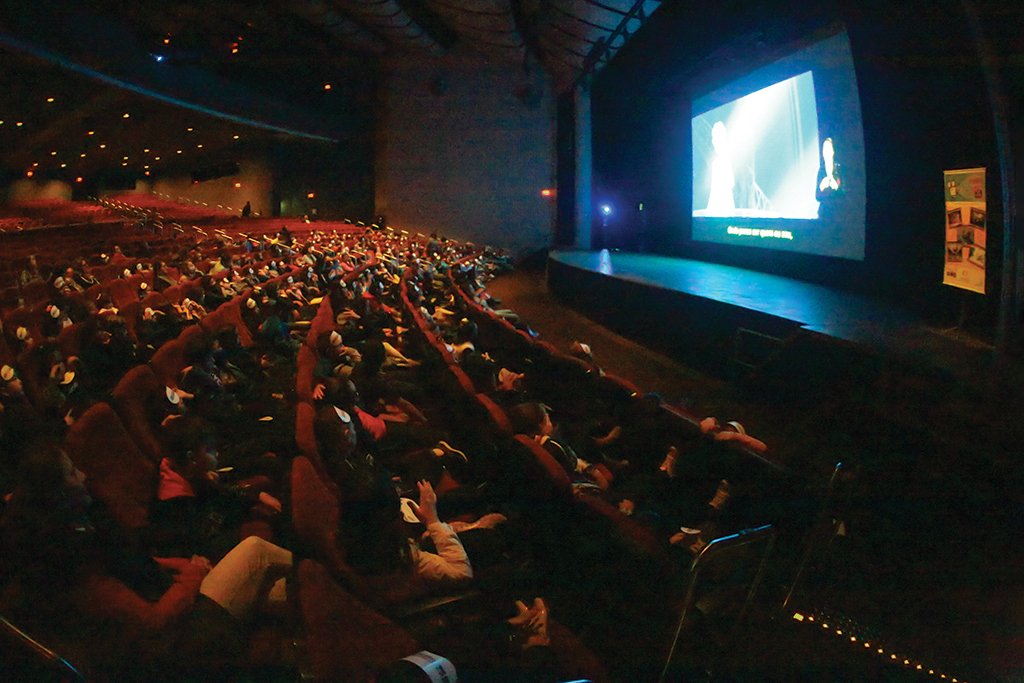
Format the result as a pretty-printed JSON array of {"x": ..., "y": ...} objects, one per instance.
[
  {"x": 196, "y": 510},
  {"x": 130, "y": 612},
  {"x": 31, "y": 272},
  {"x": 532, "y": 419},
  {"x": 375, "y": 536},
  {"x": 20, "y": 422}
]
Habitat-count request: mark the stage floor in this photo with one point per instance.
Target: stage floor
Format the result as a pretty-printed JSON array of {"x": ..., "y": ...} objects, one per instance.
[{"x": 816, "y": 308}]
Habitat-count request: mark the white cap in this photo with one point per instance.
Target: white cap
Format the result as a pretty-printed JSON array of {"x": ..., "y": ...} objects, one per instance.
[
  {"x": 54, "y": 311},
  {"x": 335, "y": 339},
  {"x": 58, "y": 282},
  {"x": 172, "y": 396},
  {"x": 342, "y": 415},
  {"x": 250, "y": 303}
]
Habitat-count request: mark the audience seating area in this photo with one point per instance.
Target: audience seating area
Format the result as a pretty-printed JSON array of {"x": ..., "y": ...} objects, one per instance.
[{"x": 445, "y": 379}]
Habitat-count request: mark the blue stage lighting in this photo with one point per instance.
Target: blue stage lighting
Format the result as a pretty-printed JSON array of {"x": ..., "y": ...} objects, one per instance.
[{"x": 606, "y": 209}]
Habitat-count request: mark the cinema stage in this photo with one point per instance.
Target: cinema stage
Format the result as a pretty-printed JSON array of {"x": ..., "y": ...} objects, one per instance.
[{"x": 735, "y": 322}]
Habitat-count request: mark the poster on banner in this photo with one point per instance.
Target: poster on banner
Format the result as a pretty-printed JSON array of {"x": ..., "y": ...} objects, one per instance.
[{"x": 966, "y": 229}]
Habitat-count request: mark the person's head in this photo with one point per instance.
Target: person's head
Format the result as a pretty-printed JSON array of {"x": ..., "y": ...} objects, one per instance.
[
  {"x": 199, "y": 352},
  {"x": 49, "y": 483},
  {"x": 719, "y": 137},
  {"x": 531, "y": 419},
  {"x": 341, "y": 393},
  {"x": 10, "y": 383},
  {"x": 828, "y": 154},
  {"x": 190, "y": 444},
  {"x": 467, "y": 332}
]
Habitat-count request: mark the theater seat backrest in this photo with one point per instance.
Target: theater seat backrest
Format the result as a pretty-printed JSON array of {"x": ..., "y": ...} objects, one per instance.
[
  {"x": 316, "y": 511},
  {"x": 543, "y": 465},
  {"x": 345, "y": 639},
  {"x": 305, "y": 366},
  {"x": 496, "y": 414},
  {"x": 132, "y": 394},
  {"x": 118, "y": 474},
  {"x": 168, "y": 362},
  {"x": 69, "y": 341},
  {"x": 305, "y": 434}
]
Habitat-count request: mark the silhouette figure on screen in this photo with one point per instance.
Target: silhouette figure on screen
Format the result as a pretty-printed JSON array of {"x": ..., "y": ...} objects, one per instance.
[
  {"x": 720, "y": 199},
  {"x": 829, "y": 181}
]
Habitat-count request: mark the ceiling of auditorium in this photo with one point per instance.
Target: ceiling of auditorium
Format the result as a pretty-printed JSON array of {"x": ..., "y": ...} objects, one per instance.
[{"x": 200, "y": 81}]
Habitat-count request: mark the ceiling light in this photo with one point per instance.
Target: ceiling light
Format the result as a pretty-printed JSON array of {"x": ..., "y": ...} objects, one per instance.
[
  {"x": 126, "y": 115},
  {"x": 190, "y": 129},
  {"x": 124, "y": 158},
  {"x": 103, "y": 146},
  {"x": 327, "y": 86},
  {"x": 311, "y": 195},
  {"x": 82, "y": 155},
  {"x": 146, "y": 166},
  {"x": 156, "y": 158},
  {"x": 147, "y": 172},
  {"x": 199, "y": 146},
  {"x": 19, "y": 124},
  {"x": 125, "y": 163},
  {"x": 167, "y": 41},
  {"x": 30, "y": 173},
  {"x": 91, "y": 132},
  {"x": 35, "y": 165},
  {"x": 237, "y": 185},
  {"x": 49, "y": 100},
  {"x": 53, "y": 153},
  {"x": 146, "y": 150},
  {"x": 78, "y": 179},
  {"x": 63, "y": 165},
  {"x": 233, "y": 138},
  {"x": 179, "y": 151}
]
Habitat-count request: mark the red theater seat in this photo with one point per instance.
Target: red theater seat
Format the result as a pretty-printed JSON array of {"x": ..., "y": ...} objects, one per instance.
[
  {"x": 118, "y": 474},
  {"x": 346, "y": 640},
  {"x": 316, "y": 514},
  {"x": 131, "y": 395},
  {"x": 306, "y": 364},
  {"x": 168, "y": 362}
]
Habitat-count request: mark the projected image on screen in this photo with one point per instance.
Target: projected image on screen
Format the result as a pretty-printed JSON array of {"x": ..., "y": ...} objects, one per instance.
[
  {"x": 758, "y": 156},
  {"x": 778, "y": 156}
]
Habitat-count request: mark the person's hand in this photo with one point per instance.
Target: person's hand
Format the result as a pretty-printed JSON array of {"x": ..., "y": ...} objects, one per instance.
[
  {"x": 426, "y": 509},
  {"x": 318, "y": 392},
  {"x": 202, "y": 563},
  {"x": 270, "y": 501},
  {"x": 532, "y": 620}
]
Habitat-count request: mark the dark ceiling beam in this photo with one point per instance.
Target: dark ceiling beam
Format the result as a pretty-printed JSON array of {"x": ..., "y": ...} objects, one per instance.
[
  {"x": 344, "y": 30},
  {"x": 604, "y": 50},
  {"x": 388, "y": 19}
]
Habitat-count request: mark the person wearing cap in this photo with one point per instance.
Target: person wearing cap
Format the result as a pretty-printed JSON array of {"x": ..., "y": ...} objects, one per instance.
[
  {"x": 83, "y": 277},
  {"x": 156, "y": 326},
  {"x": 20, "y": 422},
  {"x": 55, "y": 320}
]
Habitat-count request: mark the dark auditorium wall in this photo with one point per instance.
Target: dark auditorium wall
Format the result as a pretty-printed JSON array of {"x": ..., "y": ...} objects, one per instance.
[
  {"x": 458, "y": 152},
  {"x": 924, "y": 106},
  {"x": 256, "y": 180},
  {"x": 29, "y": 190}
]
